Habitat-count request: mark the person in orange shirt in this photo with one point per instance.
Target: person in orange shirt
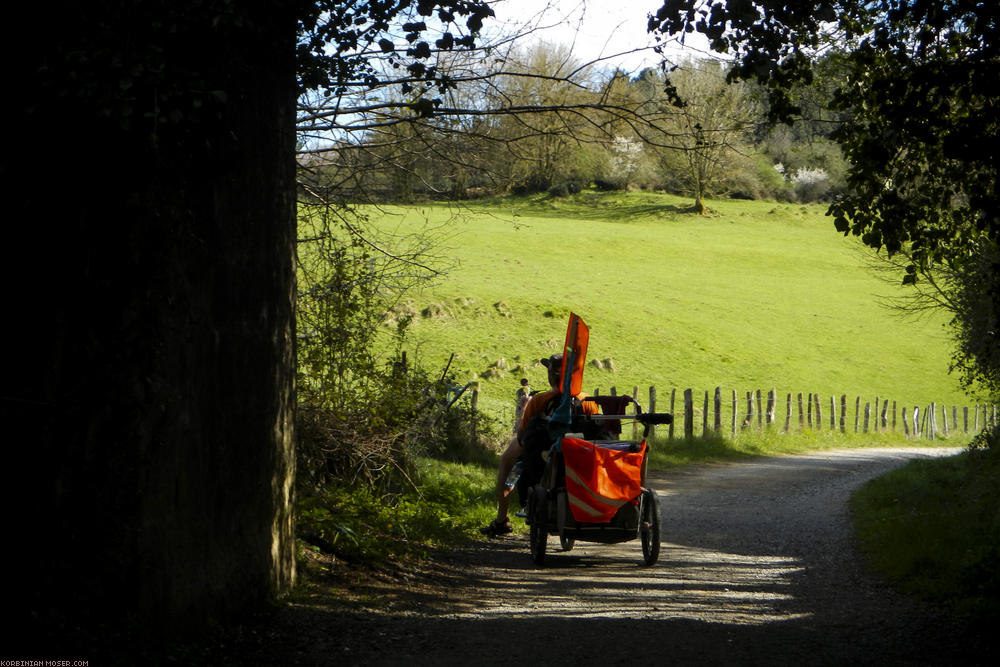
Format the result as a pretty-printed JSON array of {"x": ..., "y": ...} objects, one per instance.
[{"x": 539, "y": 404}]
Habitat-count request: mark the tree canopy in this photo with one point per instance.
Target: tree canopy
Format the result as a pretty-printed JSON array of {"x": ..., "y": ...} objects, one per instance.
[{"x": 922, "y": 125}]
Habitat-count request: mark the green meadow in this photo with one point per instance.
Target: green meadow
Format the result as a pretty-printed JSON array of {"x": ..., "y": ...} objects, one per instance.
[{"x": 754, "y": 296}]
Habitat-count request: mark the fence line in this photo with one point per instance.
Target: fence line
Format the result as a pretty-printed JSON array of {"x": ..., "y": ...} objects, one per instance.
[{"x": 874, "y": 416}]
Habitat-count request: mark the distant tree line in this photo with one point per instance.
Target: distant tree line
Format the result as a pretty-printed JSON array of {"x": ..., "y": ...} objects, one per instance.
[{"x": 540, "y": 120}]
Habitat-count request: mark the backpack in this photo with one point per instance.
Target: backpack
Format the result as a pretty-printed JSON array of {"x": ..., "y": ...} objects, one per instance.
[{"x": 537, "y": 439}]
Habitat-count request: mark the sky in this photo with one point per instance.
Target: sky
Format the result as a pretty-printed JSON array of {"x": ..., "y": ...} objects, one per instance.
[{"x": 595, "y": 28}]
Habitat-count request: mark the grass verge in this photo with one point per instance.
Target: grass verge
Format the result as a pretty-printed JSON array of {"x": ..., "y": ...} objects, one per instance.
[
  {"x": 933, "y": 528},
  {"x": 362, "y": 526}
]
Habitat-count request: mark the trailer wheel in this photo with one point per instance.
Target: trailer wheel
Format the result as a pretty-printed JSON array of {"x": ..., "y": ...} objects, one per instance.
[
  {"x": 539, "y": 534},
  {"x": 649, "y": 527}
]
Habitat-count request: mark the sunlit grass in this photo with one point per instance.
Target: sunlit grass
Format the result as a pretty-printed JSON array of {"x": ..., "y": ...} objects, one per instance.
[{"x": 754, "y": 296}]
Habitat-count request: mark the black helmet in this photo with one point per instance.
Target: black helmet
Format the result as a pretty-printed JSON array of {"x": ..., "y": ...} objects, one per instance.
[{"x": 553, "y": 363}]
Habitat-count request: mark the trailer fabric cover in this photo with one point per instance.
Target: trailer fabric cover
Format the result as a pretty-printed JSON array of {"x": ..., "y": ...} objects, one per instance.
[
  {"x": 570, "y": 373},
  {"x": 600, "y": 480}
]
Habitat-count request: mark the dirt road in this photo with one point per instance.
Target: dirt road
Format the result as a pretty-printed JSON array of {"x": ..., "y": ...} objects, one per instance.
[{"x": 758, "y": 567}]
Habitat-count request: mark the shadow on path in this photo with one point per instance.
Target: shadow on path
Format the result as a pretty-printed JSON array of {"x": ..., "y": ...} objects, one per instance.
[{"x": 758, "y": 567}]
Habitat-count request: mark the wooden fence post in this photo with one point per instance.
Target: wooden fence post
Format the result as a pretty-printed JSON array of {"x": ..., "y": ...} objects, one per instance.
[
  {"x": 673, "y": 400},
  {"x": 916, "y": 421},
  {"x": 868, "y": 412},
  {"x": 688, "y": 415},
  {"x": 819, "y": 414},
  {"x": 906, "y": 423},
  {"x": 718, "y": 410},
  {"x": 788, "y": 411},
  {"x": 965, "y": 418},
  {"x": 833, "y": 412},
  {"x": 932, "y": 420},
  {"x": 801, "y": 417},
  {"x": 894, "y": 416},
  {"x": 809, "y": 410},
  {"x": 885, "y": 406},
  {"x": 635, "y": 424},
  {"x": 733, "y": 428},
  {"x": 749, "y": 418},
  {"x": 704, "y": 416},
  {"x": 944, "y": 420},
  {"x": 843, "y": 413},
  {"x": 771, "y": 396},
  {"x": 857, "y": 412},
  {"x": 652, "y": 408},
  {"x": 760, "y": 411},
  {"x": 876, "y": 413}
]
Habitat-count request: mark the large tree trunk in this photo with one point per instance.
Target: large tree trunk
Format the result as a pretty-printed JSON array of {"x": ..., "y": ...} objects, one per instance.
[{"x": 148, "y": 261}]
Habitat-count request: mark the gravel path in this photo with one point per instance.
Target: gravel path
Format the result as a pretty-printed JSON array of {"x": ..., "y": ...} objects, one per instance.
[{"x": 757, "y": 567}]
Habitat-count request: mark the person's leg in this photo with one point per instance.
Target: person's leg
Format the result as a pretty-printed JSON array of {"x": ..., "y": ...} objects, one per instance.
[{"x": 507, "y": 461}]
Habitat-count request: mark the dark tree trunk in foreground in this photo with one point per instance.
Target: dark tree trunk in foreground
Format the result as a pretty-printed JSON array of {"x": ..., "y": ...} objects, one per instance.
[{"x": 149, "y": 231}]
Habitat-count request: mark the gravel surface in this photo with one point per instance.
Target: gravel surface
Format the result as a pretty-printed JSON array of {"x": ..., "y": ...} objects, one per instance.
[{"x": 758, "y": 567}]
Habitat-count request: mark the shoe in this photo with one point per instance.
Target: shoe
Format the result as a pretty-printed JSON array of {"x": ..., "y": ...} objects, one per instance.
[{"x": 495, "y": 528}]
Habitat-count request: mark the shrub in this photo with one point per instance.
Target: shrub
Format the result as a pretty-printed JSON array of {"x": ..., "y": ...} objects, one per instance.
[
  {"x": 607, "y": 185},
  {"x": 364, "y": 415},
  {"x": 559, "y": 190},
  {"x": 811, "y": 185}
]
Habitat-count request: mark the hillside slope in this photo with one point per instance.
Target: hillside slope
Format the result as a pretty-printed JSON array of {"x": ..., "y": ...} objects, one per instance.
[{"x": 756, "y": 295}]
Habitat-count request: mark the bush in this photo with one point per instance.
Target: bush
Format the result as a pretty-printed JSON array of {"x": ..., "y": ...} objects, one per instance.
[
  {"x": 811, "y": 185},
  {"x": 608, "y": 185},
  {"x": 364, "y": 415},
  {"x": 559, "y": 190}
]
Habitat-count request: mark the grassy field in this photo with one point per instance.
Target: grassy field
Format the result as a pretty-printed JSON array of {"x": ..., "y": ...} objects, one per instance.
[{"x": 756, "y": 295}]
